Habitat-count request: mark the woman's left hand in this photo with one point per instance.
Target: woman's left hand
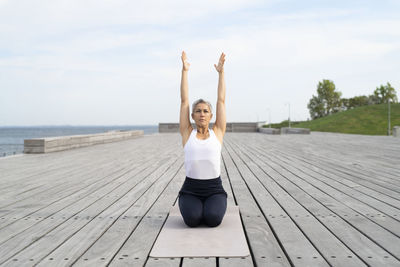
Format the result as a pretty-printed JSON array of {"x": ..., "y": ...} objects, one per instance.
[{"x": 220, "y": 67}]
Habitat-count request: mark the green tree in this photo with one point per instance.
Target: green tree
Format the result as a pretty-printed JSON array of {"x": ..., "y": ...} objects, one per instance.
[
  {"x": 385, "y": 92},
  {"x": 373, "y": 99},
  {"x": 316, "y": 107},
  {"x": 327, "y": 100},
  {"x": 358, "y": 101},
  {"x": 345, "y": 103}
]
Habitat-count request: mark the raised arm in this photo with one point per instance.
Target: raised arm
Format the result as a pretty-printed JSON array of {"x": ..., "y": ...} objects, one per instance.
[
  {"x": 184, "y": 121},
  {"x": 220, "y": 121}
]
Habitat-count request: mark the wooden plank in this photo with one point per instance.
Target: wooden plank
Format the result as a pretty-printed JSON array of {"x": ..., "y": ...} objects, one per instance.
[
  {"x": 370, "y": 150},
  {"x": 298, "y": 237},
  {"x": 159, "y": 262},
  {"x": 51, "y": 178},
  {"x": 137, "y": 247},
  {"x": 299, "y": 154},
  {"x": 229, "y": 261},
  {"x": 101, "y": 241},
  {"x": 23, "y": 242},
  {"x": 80, "y": 172},
  {"x": 316, "y": 172},
  {"x": 39, "y": 172},
  {"x": 320, "y": 198},
  {"x": 29, "y": 210},
  {"x": 362, "y": 181},
  {"x": 355, "y": 195},
  {"x": 264, "y": 247},
  {"x": 372, "y": 178},
  {"x": 340, "y": 177},
  {"x": 367, "y": 250},
  {"x": 323, "y": 151},
  {"x": 363, "y": 217},
  {"x": 391, "y": 223},
  {"x": 63, "y": 200},
  {"x": 199, "y": 262},
  {"x": 13, "y": 199},
  {"x": 47, "y": 163}
]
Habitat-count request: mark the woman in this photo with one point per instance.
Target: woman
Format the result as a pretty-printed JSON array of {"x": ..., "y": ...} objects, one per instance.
[{"x": 202, "y": 197}]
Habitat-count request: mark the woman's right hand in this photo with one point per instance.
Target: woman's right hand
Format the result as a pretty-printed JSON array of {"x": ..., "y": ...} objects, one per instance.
[{"x": 185, "y": 62}]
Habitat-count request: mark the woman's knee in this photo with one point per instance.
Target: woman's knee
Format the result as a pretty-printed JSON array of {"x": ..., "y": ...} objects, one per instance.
[
  {"x": 213, "y": 218},
  {"x": 191, "y": 210},
  {"x": 214, "y": 210},
  {"x": 192, "y": 218}
]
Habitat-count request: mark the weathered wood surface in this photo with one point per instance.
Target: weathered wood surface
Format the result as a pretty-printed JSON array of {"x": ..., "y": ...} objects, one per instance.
[{"x": 305, "y": 200}]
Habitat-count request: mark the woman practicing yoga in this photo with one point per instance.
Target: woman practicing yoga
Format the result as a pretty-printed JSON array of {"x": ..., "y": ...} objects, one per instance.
[{"x": 202, "y": 197}]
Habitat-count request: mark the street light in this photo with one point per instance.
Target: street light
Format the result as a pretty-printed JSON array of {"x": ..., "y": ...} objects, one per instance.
[
  {"x": 289, "y": 113},
  {"x": 388, "y": 116},
  {"x": 269, "y": 115}
]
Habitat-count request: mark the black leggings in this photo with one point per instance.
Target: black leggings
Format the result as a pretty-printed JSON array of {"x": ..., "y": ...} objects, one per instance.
[{"x": 209, "y": 210}]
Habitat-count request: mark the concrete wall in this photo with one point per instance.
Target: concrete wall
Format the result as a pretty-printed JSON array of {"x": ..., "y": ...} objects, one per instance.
[
  {"x": 287, "y": 130},
  {"x": 237, "y": 127},
  {"x": 51, "y": 144},
  {"x": 230, "y": 127},
  {"x": 396, "y": 131},
  {"x": 269, "y": 130}
]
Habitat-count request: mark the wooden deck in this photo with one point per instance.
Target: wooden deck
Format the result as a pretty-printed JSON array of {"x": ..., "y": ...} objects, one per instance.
[{"x": 305, "y": 200}]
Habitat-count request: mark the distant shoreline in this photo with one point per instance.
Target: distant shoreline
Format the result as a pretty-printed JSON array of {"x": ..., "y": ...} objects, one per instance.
[
  {"x": 88, "y": 126},
  {"x": 12, "y": 137}
]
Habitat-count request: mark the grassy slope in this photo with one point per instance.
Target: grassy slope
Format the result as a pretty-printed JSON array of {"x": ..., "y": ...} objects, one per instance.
[{"x": 372, "y": 120}]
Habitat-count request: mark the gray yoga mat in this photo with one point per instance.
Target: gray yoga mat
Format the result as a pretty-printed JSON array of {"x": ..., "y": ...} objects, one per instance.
[{"x": 176, "y": 239}]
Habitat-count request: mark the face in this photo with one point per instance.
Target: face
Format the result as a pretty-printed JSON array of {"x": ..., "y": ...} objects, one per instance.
[{"x": 202, "y": 114}]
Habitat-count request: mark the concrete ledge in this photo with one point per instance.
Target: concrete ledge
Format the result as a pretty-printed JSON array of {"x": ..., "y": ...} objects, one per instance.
[
  {"x": 287, "y": 130},
  {"x": 269, "y": 130},
  {"x": 52, "y": 144},
  {"x": 242, "y": 127},
  {"x": 396, "y": 131},
  {"x": 230, "y": 127},
  {"x": 169, "y": 127}
]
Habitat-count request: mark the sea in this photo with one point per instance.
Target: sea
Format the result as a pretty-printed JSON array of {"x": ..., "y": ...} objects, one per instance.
[{"x": 12, "y": 137}]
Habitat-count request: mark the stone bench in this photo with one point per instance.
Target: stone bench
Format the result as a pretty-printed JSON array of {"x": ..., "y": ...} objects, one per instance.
[
  {"x": 287, "y": 130},
  {"x": 269, "y": 130},
  {"x": 52, "y": 144},
  {"x": 396, "y": 131}
]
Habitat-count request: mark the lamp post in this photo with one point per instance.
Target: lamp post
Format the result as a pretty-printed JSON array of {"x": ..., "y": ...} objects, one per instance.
[
  {"x": 289, "y": 113},
  {"x": 388, "y": 116},
  {"x": 269, "y": 116}
]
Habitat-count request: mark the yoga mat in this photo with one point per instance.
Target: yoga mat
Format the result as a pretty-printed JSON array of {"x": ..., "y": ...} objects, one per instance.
[{"x": 176, "y": 239}]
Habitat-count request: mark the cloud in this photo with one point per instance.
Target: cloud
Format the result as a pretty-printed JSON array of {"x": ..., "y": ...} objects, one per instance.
[
  {"x": 65, "y": 14},
  {"x": 120, "y": 60}
]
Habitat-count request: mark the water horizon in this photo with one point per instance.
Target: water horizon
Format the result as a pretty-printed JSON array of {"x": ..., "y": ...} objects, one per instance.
[
  {"x": 12, "y": 136},
  {"x": 77, "y": 125}
]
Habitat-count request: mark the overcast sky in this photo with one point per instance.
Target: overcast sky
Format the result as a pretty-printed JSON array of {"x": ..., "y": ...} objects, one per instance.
[{"x": 118, "y": 62}]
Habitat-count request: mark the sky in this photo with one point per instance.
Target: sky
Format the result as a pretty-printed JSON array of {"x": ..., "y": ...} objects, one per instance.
[{"x": 118, "y": 62}]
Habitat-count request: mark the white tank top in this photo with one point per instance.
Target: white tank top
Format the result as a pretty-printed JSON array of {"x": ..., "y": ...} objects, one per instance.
[{"x": 202, "y": 157}]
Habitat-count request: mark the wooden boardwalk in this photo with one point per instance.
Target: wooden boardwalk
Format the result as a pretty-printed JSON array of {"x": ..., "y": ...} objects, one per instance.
[{"x": 305, "y": 200}]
